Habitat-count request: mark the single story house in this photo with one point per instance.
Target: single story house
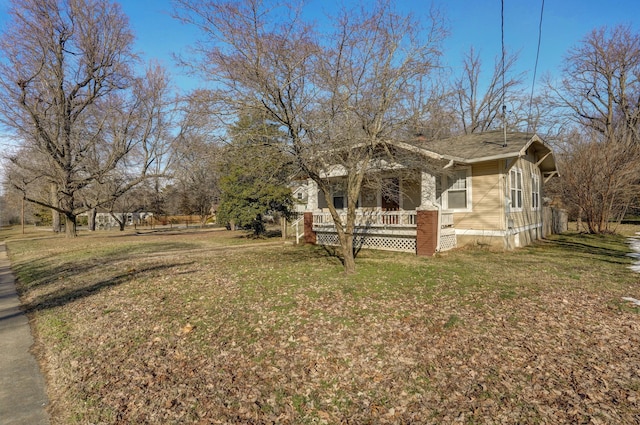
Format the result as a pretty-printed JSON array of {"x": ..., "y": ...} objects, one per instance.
[
  {"x": 484, "y": 189},
  {"x": 300, "y": 197},
  {"x": 106, "y": 221}
]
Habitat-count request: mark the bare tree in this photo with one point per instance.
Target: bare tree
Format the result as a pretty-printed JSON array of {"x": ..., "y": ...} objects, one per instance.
[
  {"x": 67, "y": 92},
  {"x": 481, "y": 108},
  {"x": 148, "y": 154},
  {"x": 340, "y": 95},
  {"x": 195, "y": 153},
  {"x": 600, "y": 88},
  {"x": 600, "y": 179},
  {"x": 600, "y": 95}
]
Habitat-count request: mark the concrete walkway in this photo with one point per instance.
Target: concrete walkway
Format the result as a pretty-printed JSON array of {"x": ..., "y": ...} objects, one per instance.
[{"x": 22, "y": 390}]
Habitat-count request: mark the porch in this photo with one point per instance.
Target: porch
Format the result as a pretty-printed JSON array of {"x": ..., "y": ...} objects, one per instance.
[
  {"x": 403, "y": 213},
  {"x": 388, "y": 230}
]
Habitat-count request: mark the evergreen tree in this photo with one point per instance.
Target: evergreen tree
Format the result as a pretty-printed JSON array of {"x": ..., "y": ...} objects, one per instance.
[{"x": 256, "y": 171}]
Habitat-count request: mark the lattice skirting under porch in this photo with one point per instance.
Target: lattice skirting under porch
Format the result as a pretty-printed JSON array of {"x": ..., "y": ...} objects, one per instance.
[
  {"x": 383, "y": 242},
  {"x": 447, "y": 241}
]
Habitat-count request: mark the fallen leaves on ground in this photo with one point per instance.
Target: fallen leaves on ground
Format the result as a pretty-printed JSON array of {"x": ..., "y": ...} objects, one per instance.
[{"x": 194, "y": 339}]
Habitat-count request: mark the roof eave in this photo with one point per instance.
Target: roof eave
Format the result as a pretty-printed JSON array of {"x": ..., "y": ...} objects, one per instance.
[{"x": 487, "y": 158}]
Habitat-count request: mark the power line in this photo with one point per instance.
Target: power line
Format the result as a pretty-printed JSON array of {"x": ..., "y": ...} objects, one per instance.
[
  {"x": 504, "y": 107},
  {"x": 535, "y": 68}
]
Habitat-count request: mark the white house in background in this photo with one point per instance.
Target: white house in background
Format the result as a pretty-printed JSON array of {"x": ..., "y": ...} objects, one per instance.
[
  {"x": 106, "y": 221},
  {"x": 300, "y": 197},
  {"x": 485, "y": 191}
]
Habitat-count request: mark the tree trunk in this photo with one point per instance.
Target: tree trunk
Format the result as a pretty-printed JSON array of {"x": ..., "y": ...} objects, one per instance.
[
  {"x": 347, "y": 254},
  {"x": 55, "y": 221},
  {"x": 121, "y": 221},
  {"x": 93, "y": 212},
  {"x": 345, "y": 230},
  {"x": 55, "y": 215},
  {"x": 283, "y": 228},
  {"x": 70, "y": 227}
]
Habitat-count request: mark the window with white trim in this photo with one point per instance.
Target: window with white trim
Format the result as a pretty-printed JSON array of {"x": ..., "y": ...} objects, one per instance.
[
  {"x": 454, "y": 190},
  {"x": 535, "y": 191},
  {"x": 515, "y": 184}
]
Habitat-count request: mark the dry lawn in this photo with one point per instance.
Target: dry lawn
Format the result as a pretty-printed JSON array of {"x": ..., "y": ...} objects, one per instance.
[{"x": 209, "y": 327}]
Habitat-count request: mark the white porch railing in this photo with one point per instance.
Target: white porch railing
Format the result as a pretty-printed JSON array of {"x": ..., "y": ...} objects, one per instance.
[
  {"x": 446, "y": 219},
  {"x": 298, "y": 227},
  {"x": 388, "y": 230},
  {"x": 370, "y": 218}
]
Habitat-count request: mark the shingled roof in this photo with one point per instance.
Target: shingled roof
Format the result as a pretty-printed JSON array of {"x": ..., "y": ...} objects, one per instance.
[{"x": 474, "y": 148}]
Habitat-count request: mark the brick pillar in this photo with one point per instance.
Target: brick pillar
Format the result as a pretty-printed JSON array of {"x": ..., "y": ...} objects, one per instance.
[
  {"x": 426, "y": 232},
  {"x": 309, "y": 234}
]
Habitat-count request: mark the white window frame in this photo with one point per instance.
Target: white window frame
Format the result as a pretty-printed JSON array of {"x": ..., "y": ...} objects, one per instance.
[
  {"x": 517, "y": 203},
  {"x": 535, "y": 191},
  {"x": 444, "y": 195}
]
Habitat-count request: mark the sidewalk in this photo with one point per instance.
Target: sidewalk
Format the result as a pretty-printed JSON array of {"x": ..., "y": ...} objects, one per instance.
[{"x": 22, "y": 390}]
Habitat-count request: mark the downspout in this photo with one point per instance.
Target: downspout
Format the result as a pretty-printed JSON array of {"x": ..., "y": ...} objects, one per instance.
[
  {"x": 439, "y": 208},
  {"x": 439, "y": 226},
  {"x": 507, "y": 204}
]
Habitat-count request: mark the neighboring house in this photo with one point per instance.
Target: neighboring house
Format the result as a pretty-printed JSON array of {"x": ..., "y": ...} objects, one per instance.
[
  {"x": 477, "y": 190},
  {"x": 106, "y": 221},
  {"x": 300, "y": 197}
]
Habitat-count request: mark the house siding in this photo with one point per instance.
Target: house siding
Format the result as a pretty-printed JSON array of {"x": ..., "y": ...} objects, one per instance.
[
  {"x": 490, "y": 222},
  {"x": 526, "y": 224},
  {"x": 487, "y": 212}
]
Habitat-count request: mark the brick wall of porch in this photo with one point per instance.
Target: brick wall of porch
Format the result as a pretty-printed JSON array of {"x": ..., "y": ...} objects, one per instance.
[{"x": 426, "y": 232}]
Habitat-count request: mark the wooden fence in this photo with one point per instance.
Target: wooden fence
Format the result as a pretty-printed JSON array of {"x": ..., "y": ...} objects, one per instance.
[{"x": 554, "y": 221}]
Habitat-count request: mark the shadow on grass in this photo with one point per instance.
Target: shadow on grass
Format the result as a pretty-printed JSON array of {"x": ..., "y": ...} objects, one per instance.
[
  {"x": 122, "y": 252},
  {"x": 42, "y": 272},
  {"x": 169, "y": 231},
  {"x": 317, "y": 253},
  {"x": 63, "y": 296},
  {"x": 611, "y": 249}
]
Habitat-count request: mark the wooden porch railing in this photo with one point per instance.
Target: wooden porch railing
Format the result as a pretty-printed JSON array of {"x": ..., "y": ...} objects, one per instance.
[
  {"x": 446, "y": 219},
  {"x": 381, "y": 218},
  {"x": 371, "y": 218}
]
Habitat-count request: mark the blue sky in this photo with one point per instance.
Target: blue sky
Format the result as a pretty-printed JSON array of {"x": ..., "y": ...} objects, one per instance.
[{"x": 470, "y": 22}]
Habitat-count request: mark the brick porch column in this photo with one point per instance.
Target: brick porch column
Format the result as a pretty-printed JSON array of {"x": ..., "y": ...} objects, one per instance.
[
  {"x": 426, "y": 232},
  {"x": 309, "y": 234}
]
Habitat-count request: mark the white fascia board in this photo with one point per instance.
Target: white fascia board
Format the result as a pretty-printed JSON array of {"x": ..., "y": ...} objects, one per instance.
[
  {"x": 334, "y": 171},
  {"x": 341, "y": 171}
]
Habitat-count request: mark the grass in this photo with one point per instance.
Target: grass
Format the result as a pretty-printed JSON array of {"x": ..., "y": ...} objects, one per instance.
[{"x": 211, "y": 327}]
